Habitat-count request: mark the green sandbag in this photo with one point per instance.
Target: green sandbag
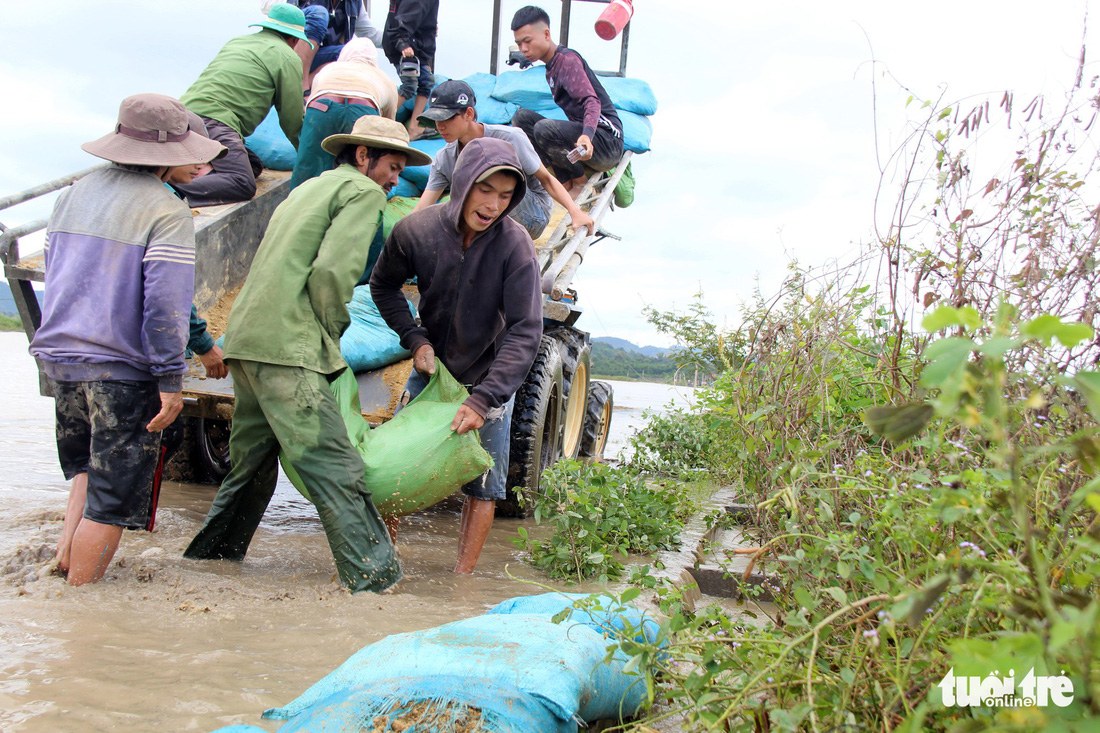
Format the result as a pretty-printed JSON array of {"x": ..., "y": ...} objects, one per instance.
[
  {"x": 415, "y": 460},
  {"x": 624, "y": 190}
]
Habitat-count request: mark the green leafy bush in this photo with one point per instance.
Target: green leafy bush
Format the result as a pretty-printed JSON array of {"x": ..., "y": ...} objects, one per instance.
[{"x": 600, "y": 514}]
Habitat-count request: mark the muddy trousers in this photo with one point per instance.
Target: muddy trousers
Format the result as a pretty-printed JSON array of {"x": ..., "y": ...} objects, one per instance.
[{"x": 290, "y": 409}]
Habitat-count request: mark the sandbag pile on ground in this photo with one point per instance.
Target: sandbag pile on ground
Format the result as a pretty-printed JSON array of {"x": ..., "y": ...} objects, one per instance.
[
  {"x": 509, "y": 670},
  {"x": 414, "y": 460}
]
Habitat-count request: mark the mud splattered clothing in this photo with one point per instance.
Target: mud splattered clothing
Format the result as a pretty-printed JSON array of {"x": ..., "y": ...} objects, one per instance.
[
  {"x": 480, "y": 306},
  {"x": 120, "y": 276},
  {"x": 282, "y": 343},
  {"x": 101, "y": 432},
  {"x": 291, "y": 409}
]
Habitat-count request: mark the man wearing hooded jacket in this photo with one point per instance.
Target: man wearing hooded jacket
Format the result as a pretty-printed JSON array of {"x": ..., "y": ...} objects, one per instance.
[{"x": 480, "y": 309}]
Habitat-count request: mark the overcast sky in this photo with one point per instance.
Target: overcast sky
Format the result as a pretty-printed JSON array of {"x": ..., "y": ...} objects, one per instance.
[{"x": 764, "y": 142}]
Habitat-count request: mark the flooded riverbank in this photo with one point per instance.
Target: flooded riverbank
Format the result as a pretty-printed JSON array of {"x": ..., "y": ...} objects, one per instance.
[{"x": 172, "y": 644}]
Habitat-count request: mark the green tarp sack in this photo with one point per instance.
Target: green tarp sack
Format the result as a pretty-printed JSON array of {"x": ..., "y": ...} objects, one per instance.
[{"x": 415, "y": 460}]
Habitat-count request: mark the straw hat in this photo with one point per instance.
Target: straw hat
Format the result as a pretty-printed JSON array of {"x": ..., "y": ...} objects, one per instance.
[
  {"x": 286, "y": 18},
  {"x": 152, "y": 130},
  {"x": 377, "y": 132}
]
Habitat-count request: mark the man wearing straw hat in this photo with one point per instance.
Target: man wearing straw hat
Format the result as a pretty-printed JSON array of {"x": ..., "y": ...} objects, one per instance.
[
  {"x": 234, "y": 93},
  {"x": 282, "y": 345},
  {"x": 120, "y": 275}
]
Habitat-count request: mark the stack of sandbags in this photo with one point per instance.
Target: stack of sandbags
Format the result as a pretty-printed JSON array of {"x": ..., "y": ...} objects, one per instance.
[{"x": 633, "y": 99}]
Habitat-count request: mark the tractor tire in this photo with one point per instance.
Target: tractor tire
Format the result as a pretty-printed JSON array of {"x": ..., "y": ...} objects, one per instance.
[
  {"x": 536, "y": 428},
  {"x": 597, "y": 421},
  {"x": 576, "y": 359},
  {"x": 212, "y": 448}
]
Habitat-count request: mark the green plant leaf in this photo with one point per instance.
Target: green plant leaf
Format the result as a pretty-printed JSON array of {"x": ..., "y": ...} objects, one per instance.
[
  {"x": 1047, "y": 327},
  {"x": 900, "y": 423},
  {"x": 946, "y": 357},
  {"x": 1088, "y": 385},
  {"x": 947, "y": 316}
]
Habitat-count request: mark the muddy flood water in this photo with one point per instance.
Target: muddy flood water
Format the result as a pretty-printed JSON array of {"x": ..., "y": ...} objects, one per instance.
[{"x": 165, "y": 643}]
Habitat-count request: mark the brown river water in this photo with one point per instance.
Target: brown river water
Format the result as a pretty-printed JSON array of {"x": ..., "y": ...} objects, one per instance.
[{"x": 165, "y": 643}]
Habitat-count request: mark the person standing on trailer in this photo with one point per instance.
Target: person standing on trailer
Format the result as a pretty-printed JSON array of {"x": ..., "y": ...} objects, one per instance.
[
  {"x": 593, "y": 128},
  {"x": 120, "y": 276},
  {"x": 480, "y": 310},
  {"x": 409, "y": 43},
  {"x": 282, "y": 344}
]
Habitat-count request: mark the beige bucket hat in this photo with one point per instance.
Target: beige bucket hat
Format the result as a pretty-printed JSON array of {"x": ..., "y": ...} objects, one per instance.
[
  {"x": 152, "y": 130},
  {"x": 377, "y": 132}
]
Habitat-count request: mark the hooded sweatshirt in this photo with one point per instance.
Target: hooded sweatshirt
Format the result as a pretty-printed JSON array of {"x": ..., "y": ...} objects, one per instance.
[{"x": 480, "y": 308}]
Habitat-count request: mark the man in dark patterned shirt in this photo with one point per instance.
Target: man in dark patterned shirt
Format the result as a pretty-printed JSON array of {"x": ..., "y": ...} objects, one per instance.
[{"x": 593, "y": 126}]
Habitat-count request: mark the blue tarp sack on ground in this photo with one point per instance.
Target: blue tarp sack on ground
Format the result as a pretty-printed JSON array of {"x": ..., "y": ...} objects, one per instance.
[
  {"x": 541, "y": 676},
  {"x": 269, "y": 142},
  {"x": 603, "y": 613},
  {"x": 418, "y": 174},
  {"x": 489, "y": 110},
  {"x": 368, "y": 343}
]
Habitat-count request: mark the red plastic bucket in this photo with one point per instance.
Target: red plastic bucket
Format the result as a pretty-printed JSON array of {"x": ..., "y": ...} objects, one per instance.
[{"x": 613, "y": 19}]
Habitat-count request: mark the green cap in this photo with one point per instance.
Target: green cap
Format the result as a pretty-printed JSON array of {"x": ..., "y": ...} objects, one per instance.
[{"x": 285, "y": 18}]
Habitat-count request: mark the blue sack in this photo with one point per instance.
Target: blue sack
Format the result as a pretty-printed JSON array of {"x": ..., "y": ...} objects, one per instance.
[
  {"x": 418, "y": 174},
  {"x": 602, "y": 613},
  {"x": 637, "y": 131},
  {"x": 489, "y": 111},
  {"x": 630, "y": 95},
  {"x": 556, "y": 671},
  {"x": 528, "y": 88},
  {"x": 404, "y": 188},
  {"x": 269, "y": 142},
  {"x": 368, "y": 343}
]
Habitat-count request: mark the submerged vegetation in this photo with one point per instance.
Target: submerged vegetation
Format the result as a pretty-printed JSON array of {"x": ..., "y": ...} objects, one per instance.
[{"x": 917, "y": 432}]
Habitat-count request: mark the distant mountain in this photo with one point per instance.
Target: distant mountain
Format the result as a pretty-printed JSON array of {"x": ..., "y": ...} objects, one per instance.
[{"x": 618, "y": 343}]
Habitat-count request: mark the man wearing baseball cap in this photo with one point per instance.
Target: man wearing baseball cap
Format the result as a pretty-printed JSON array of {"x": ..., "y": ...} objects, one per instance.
[
  {"x": 120, "y": 275},
  {"x": 452, "y": 112},
  {"x": 234, "y": 93},
  {"x": 282, "y": 344}
]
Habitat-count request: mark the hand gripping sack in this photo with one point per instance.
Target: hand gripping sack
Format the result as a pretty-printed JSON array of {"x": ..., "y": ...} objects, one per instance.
[{"x": 415, "y": 460}]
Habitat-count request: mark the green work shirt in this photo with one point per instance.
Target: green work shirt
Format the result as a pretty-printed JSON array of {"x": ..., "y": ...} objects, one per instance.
[
  {"x": 292, "y": 309},
  {"x": 248, "y": 76}
]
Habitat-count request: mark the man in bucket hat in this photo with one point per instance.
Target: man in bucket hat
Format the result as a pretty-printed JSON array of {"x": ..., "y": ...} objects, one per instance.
[
  {"x": 120, "y": 275},
  {"x": 282, "y": 345},
  {"x": 234, "y": 93}
]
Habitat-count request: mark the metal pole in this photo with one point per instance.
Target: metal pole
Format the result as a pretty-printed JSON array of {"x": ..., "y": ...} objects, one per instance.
[
  {"x": 566, "y": 7},
  {"x": 495, "y": 45},
  {"x": 48, "y": 187},
  {"x": 565, "y": 275}
]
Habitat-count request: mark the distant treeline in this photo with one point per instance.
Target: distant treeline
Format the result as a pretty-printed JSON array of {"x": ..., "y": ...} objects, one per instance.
[{"x": 609, "y": 362}]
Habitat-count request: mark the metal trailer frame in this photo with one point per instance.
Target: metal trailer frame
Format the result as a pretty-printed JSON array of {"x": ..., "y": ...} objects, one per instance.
[{"x": 563, "y": 35}]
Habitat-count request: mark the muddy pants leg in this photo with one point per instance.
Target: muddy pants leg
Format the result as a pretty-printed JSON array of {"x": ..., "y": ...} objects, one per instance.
[
  {"x": 246, "y": 491},
  {"x": 315, "y": 441}
]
